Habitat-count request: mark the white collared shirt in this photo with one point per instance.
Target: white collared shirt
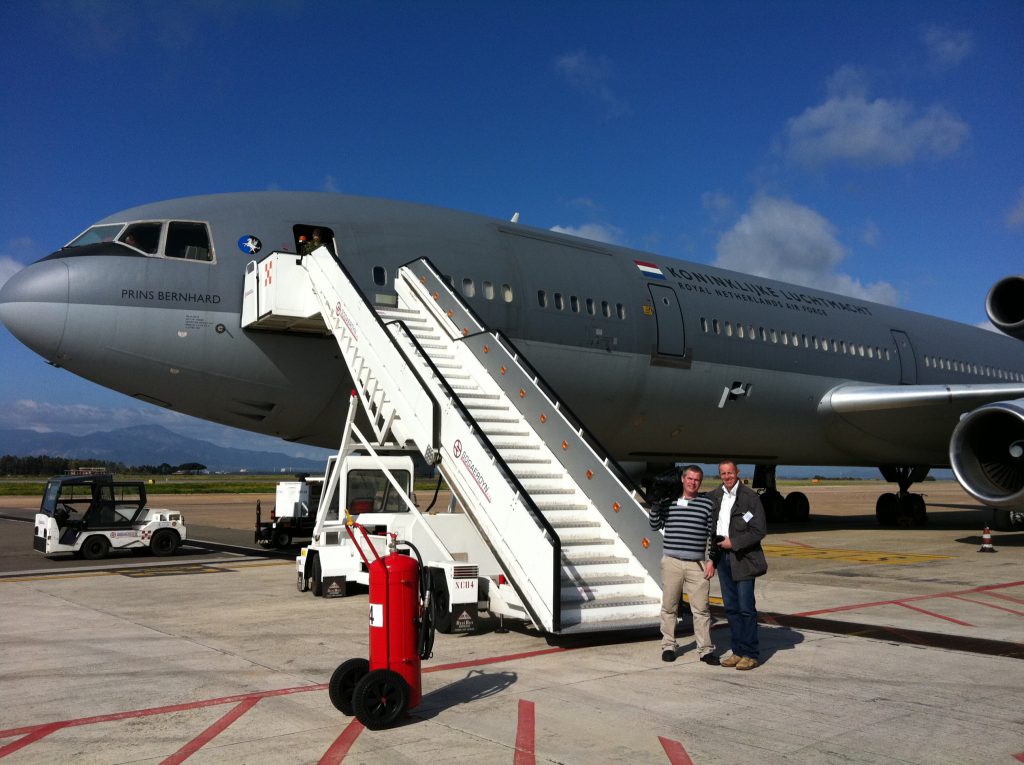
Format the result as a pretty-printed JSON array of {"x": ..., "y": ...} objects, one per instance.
[{"x": 725, "y": 512}]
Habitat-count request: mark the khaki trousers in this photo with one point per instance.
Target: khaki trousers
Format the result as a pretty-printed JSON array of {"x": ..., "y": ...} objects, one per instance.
[{"x": 679, "y": 577}]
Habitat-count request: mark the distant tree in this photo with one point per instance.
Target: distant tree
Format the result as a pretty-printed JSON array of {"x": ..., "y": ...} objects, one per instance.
[{"x": 191, "y": 467}]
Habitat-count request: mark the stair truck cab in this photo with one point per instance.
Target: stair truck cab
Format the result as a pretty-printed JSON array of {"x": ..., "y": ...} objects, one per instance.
[{"x": 92, "y": 515}]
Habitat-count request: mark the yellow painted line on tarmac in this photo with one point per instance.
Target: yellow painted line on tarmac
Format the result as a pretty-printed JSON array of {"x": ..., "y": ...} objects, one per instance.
[
  {"x": 51, "y": 577},
  {"x": 848, "y": 556}
]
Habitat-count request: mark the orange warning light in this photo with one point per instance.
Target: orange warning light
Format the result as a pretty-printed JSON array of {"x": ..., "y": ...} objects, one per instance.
[
  {"x": 465, "y": 331},
  {"x": 646, "y": 543},
  {"x": 450, "y": 313},
  {"x": 487, "y": 349},
  {"x": 522, "y": 393},
  {"x": 543, "y": 418},
  {"x": 616, "y": 507},
  {"x": 503, "y": 370},
  {"x": 590, "y": 474},
  {"x": 437, "y": 296},
  {"x": 565, "y": 445}
]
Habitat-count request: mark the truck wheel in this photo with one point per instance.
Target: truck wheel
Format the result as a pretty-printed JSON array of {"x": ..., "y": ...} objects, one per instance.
[
  {"x": 318, "y": 579},
  {"x": 164, "y": 542},
  {"x": 439, "y": 603},
  {"x": 95, "y": 548},
  {"x": 343, "y": 683},
  {"x": 282, "y": 539},
  {"x": 380, "y": 698}
]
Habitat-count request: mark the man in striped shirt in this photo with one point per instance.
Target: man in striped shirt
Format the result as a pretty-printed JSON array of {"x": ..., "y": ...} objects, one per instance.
[{"x": 686, "y": 566}]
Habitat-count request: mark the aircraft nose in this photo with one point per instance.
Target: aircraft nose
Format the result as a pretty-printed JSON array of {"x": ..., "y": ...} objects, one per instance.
[{"x": 34, "y": 306}]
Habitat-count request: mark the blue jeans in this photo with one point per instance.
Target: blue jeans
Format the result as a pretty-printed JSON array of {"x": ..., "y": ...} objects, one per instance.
[{"x": 740, "y": 610}]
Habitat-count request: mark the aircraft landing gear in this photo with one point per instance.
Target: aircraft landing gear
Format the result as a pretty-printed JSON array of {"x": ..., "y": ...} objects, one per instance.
[
  {"x": 794, "y": 507},
  {"x": 903, "y": 509}
]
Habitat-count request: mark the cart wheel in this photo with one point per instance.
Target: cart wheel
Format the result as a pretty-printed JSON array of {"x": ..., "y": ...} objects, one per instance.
[
  {"x": 343, "y": 683},
  {"x": 282, "y": 539},
  {"x": 301, "y": 583},
  {"x": 318, "y": 579},
  {"x": 95, "y": 548},
  {"x": 380, "y": 698},
  {"x": 164, "y": 542}
]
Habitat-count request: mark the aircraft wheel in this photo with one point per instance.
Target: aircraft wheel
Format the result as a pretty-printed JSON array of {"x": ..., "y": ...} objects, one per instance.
[
  {"x": 887, "y": 509},
  {"x": 1007, "y": 520},
  {"x": 916, "y": 509},
  {"x": 318, "y": 579},
  {"x": 164, "y": 542},
  {"x": 380, "y": 698},
  {"x": 343, "y": 683},
  {"x": 798, "y": 507},
  {"x": 774, "y": 507},
  {"x": 95, "y": 548},
  {"x": 282, "y": 539}
]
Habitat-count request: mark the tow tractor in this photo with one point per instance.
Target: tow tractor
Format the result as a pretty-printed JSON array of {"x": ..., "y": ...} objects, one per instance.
[
  {"x": 294, "y": 513},
  {"x": 92, "y": 515}
]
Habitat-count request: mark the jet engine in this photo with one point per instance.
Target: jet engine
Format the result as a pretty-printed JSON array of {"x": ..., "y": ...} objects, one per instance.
[
  {"x": 987, "y": 456},
  {"x": 1005, "y": 306}
]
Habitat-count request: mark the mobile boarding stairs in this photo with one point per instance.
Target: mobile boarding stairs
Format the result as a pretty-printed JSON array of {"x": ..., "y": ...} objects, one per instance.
[{"x": 552, "y": 507}]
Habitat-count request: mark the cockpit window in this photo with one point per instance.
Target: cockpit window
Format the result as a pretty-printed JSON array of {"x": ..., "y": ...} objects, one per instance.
[
  {"x": 96, "y": 235},
  {"x": 190, "y": 241},
  {"x": 142, "y": 236}
]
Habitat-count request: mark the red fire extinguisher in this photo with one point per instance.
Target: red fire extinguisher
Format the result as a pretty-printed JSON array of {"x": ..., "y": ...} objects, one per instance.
[{"x": 380, "y": 691}]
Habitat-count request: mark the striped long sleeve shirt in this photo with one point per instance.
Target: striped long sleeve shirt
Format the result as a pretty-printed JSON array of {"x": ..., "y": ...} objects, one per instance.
[{"x": 689, "y": 525}]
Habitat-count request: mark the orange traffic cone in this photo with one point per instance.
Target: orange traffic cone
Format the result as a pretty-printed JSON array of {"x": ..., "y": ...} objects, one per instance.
[{"x": 986, "y": 541}]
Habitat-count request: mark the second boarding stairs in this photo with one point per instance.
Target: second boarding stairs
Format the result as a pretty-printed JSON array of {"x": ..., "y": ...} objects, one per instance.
[{"x": 554, "y": 509}]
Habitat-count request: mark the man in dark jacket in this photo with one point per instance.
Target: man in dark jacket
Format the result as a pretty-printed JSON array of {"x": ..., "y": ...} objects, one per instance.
[{"x": 740, "y": 529}]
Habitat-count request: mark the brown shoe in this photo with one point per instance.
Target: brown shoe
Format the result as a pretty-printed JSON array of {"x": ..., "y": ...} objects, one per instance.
[
  {"x": 746, "y": 663},
  {"x": 731, "y": 661}
]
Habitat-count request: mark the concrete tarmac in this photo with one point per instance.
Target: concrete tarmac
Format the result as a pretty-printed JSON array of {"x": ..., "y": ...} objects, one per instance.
[{"x": 878, "y": 646}]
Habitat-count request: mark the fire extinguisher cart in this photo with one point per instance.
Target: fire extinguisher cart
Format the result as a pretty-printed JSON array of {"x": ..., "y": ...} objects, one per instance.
[{"x": 379, "y": 691}]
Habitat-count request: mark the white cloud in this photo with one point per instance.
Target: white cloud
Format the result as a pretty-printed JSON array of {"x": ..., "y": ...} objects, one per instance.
[
  {"x": 592, "y": 75},
  {"x": 600, "y": 232},
  {"x": 718, "y": 204},
  {"x": 946, "y": 47},
  {"x": 871, "y": 234},
  {"x": 780, "y": 239},
  {"x": 1015, "y": 218},
  {"x": 330, "y": 184},
  {"x": 850, "y": 127}
]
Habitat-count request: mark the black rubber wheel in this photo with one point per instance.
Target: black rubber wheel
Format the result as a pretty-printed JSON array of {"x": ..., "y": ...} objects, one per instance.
[
  {"x": 164, "y": 543},
  {"x": 343, "y": 683},
  {"x": 798, "y": 507},
  {"x": 914, "y": 506},
  {"x": 282, "y": 539},
  {"x": 95, "y": 548},
  {"x": 887, "y": 509},
  {"x": 439, "y": 603},
  {"x": 318, "y": 579},
  {"x": 380, "y": 698}
]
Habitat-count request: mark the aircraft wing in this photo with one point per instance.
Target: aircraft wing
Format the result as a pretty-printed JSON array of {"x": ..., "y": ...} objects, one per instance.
[{"x": 854, "y": 399}]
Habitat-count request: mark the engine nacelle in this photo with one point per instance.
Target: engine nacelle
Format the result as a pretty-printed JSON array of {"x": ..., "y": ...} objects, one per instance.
[
  {"x": 987, "y": 453},
  {"x": 1005, "y": 306}
]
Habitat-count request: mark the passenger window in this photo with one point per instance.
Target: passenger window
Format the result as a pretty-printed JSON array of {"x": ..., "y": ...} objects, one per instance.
[
  {"x": 506, "y": 293},
  {"x": 620, "y": 309},
  {"x": 606, "y": 309},
  {"x": 559, "y": 304},
  {"x": 142, "y": 236},
  {"x": 468, "y": 287},
  {"x": 591, "y": 309},
  {"x": 488, "y": 290},
  {"x": 380, "y": 276},
  {"x": 574, "y": 303},
  {"x": 542, "y": 298},
  {"x": 188, "y": 241}
]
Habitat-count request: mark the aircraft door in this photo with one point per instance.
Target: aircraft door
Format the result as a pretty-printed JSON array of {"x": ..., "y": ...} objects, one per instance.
[
  {"x": 907, "y": 359},
  {"x": 671, "y": 338}
]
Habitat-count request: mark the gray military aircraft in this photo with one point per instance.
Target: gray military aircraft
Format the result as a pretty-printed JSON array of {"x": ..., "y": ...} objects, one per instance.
[{"x": 664, "y": 360}]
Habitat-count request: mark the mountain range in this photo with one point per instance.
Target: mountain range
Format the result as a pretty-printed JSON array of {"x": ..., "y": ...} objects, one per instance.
[{"x": 150, "y": 445}]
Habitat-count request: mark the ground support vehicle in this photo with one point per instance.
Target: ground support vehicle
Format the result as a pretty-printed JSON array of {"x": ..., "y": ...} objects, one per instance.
[
  {"x": 92, "y": 515},
  {"x": 293, "y": 516}
]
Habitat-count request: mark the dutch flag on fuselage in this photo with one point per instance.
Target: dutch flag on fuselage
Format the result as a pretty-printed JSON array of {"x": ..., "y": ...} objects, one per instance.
[{"x": 649, "y": 270}]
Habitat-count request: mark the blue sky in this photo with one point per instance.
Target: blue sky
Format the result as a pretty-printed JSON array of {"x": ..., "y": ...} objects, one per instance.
[{"x": 871, "y": 148}]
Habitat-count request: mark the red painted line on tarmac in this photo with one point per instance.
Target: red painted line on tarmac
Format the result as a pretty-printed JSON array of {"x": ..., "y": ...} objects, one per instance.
[
  {"x": 988, "y": 589},
  {"x": 494, "y": 659},
  {"x": 337, "y": 751},
  {"x": 1019, "y": 756},
  {"x": 932, "y": 613},
  {"x": 676, "y": 753},
  {"x": 1003, "y": 596},
  {"x": 525, "y": 752},
  {"x": 210, "y": 733},
  {"x": 799, "y": 544},
  {"x": 29, "y": 738},
  {"x": 990, "y": 605}
]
